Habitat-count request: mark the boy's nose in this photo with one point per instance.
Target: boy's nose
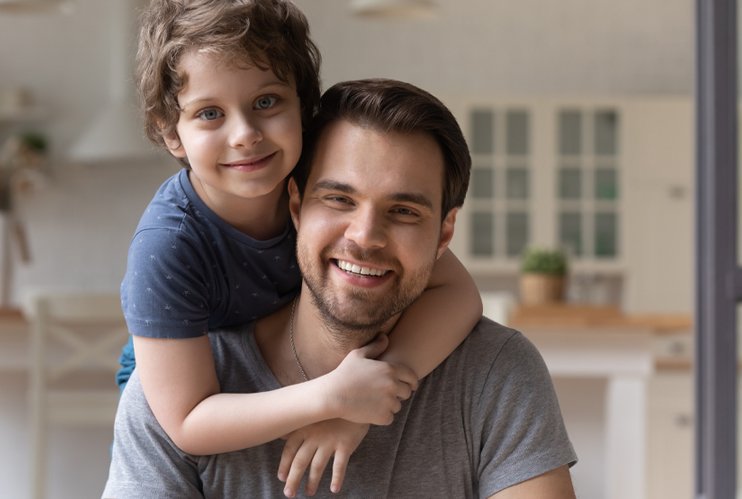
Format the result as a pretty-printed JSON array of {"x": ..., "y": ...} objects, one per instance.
[
  {"x": 245, "y": 134},
  {"x": 367, "y": 229}
]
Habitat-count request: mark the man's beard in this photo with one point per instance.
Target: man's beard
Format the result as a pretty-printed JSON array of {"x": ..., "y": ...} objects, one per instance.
[{"x": 355, "y": 315}]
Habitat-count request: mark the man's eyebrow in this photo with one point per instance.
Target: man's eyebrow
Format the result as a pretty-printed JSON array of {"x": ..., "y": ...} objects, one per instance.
[
  {"x": 413, "y": 197},
  {"x": 399, "y": 197}
]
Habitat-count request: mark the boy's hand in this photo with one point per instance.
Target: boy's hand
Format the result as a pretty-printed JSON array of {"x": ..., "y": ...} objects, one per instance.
[
  {"x": 364, "y": 390},
  {"x": 313, "y": 446}
]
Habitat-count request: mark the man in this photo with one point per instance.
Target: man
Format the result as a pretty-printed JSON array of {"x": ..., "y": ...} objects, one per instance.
[{"x": 384, "y": 170}]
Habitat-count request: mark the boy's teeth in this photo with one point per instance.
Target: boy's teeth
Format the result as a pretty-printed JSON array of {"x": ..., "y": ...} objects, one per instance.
[{"x": 357, "y": 269}]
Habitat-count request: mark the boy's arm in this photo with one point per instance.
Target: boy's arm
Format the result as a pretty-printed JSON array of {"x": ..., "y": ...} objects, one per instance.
[
  {"x": 438, "y": 321},
  {"x": 179, "y": 380}
]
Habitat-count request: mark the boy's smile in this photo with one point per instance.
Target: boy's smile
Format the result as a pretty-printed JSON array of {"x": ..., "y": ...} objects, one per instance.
[{"x": 240, "y": 128}]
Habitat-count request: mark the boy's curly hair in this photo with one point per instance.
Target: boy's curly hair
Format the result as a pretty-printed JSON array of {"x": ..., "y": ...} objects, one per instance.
[{"x": 270, "y": 34}]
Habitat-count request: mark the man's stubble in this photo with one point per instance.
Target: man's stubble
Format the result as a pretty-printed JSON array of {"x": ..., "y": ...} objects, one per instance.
[{"x": 358, "y": 315}]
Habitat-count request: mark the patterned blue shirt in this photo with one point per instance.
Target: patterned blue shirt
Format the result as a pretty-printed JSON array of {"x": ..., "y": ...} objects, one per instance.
[{"x": 188, "y": 271}]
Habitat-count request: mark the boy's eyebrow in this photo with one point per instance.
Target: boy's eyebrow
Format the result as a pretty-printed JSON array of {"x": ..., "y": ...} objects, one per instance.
[
  {"x": 333, "y": 185},
  {"x": 400, "y": 197}
]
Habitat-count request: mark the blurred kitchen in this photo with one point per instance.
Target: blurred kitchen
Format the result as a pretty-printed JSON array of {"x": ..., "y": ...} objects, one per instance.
[{"x": 580, "y": 118}]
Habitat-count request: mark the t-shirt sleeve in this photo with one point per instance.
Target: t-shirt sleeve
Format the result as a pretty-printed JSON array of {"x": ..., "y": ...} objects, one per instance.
[
  {"x": 165, "y": 293},
  {"x": 144, "y": 461},
  {"x": 522, "y": 431}
]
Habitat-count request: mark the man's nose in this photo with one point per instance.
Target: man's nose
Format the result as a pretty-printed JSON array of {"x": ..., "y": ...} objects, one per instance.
[
  {"x": 367, "y": 229},
  {"x": 245, "y": 132}
]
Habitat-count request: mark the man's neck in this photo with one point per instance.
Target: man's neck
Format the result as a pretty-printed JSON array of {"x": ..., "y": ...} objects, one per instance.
[{"x": 320, "y": 348}]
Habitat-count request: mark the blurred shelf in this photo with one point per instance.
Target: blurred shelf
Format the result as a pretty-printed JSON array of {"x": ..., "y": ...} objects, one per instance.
[
  {"x": 31, "y": 114},
  {"x": 586, "y": 316}
]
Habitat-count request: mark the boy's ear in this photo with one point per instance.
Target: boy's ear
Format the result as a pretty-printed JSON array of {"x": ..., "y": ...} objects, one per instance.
[
  {"x": 447, "y": 231},
  {"x": 294, "y": 202},
  {"x": 174, "y": 145}
]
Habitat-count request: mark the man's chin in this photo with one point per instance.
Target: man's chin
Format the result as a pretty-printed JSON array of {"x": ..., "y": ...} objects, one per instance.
[
  {"x": 358, "y": 313},
  {"x": 354, "y": 311}
]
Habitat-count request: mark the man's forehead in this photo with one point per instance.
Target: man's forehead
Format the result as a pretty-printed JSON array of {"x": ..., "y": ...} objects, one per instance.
[{"x": 352, "y": 154}]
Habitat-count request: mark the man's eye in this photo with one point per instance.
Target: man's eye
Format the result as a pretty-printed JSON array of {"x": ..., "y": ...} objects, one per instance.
[
  {"x": 266, "y": 102},
  {"x": 404, "y": 211},
  {"x": 210, "y": 114}
]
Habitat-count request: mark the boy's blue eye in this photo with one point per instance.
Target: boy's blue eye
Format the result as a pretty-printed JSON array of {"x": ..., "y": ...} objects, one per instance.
[
  {"x": 266, "y": 102},
  {"x": 210, "y": 114}
]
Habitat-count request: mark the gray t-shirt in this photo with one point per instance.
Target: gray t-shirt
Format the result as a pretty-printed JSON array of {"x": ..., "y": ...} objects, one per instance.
[{"x": 485, "y": 419}]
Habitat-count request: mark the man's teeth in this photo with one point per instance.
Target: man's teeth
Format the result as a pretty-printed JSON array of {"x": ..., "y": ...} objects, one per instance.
[{"x": 357, "y": 269}]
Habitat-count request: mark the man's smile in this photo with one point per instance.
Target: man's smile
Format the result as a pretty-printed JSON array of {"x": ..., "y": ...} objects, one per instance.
[{"x": 359, "y": 271}]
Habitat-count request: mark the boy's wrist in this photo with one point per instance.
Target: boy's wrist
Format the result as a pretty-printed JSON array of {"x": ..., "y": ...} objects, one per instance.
[{"x": 328, "y": 401}]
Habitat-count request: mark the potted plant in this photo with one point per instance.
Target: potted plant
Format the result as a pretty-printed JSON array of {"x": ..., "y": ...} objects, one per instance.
[{"x": 542, "y": 278}]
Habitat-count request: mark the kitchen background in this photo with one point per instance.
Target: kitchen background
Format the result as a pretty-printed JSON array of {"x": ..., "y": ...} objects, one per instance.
[{"x": 580, "y": 117}]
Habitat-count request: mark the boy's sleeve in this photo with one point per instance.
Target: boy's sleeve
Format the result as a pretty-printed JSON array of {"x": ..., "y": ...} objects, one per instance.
[
  {"x": 522, "y": 431},
  {"x": 165, "y": 293}
]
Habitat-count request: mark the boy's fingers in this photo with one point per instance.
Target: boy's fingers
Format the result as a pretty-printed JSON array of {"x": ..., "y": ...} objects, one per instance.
[
  {"x": 407, "y": 375},
  {"x": 303, "y": 457},
  {"x": 375, "y": 348},
  {"x": 396, "y": 407},
  {"x": 316, "y": 469},
  {"x": 339, "y": 466},
  {"x": 404, "y": 391},
  {"x": 287, "y": 457}
]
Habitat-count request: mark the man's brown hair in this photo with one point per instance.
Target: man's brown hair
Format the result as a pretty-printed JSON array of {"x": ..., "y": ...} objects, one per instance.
[
  {"x": 270, "y": 34},
  {"x": 398, "y": 107}
]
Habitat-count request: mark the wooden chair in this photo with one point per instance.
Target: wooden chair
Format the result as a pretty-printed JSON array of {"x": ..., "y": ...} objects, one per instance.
[{"x": 76, "y": 339}]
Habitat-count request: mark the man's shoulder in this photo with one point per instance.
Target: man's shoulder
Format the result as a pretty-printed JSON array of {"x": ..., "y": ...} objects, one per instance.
[
  {"x": 488, "y": 341},
  {"x": 492, "y": 358}
]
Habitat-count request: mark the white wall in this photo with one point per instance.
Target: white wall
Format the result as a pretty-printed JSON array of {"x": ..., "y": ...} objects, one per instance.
[{"x": 516, "y": 47}]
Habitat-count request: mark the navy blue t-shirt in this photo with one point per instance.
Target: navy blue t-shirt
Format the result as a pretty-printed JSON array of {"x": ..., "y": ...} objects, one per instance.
[{"x": 188, "y": 271}]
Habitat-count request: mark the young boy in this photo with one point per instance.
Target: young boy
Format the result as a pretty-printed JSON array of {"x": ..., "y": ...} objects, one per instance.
[{"x": 227, "y": 86}]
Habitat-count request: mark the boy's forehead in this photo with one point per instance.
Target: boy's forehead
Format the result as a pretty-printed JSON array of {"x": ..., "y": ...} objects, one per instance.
[
  {"x": 207, "y": 76},
  {"x": 211, "y": 58},
  {"x": 214, "y": 58}
]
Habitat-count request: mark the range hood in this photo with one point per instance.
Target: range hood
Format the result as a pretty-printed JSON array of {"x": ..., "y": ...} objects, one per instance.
[
  {"x": 391, "y": 9},
  {"x": 34, "y": 6},
  {"x": 116, "y": 133}
]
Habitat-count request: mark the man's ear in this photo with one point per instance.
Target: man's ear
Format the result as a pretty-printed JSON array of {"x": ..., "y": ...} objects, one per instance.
[
  {"x": 294, "y": 202},
  {"x": 447, "y": 231}
]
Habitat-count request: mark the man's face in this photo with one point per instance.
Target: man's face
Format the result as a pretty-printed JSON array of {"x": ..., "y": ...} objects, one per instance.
[{"x": 369, "y": 225}]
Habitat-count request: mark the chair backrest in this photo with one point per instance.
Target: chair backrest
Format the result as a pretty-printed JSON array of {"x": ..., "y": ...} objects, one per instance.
[
  {"x": 88, "y": 330},
  {"x": 76, "y": 339}
]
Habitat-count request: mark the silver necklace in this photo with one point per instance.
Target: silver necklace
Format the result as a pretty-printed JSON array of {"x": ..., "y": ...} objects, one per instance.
[{"x": 291, "y": 337}]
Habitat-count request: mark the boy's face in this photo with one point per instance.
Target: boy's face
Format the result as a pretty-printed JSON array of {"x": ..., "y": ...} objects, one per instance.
[{"x": 239, "y": 128}]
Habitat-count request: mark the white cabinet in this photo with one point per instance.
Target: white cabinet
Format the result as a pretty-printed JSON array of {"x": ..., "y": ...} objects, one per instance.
[
  {"x": 638, "y": 420},
  {"x": 670, "y": 436}
]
